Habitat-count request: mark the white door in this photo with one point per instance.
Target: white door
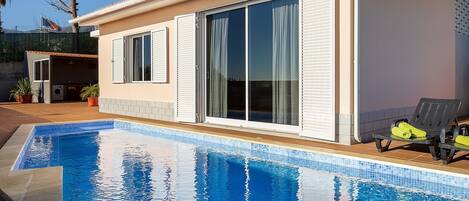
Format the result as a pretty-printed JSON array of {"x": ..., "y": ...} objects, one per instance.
[
  {"x": 184, "y": 59},
  {"x": 318, "y": 69}
]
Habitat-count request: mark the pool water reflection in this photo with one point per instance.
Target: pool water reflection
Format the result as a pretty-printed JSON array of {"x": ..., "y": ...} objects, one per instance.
[{"x": 121, "y": 165}]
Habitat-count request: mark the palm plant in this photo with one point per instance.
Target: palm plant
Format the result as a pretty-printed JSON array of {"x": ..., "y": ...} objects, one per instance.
[
  {"x": 23, "y": 87},
  {"x": 14, "y": 93},
  {"x": 91, "y": 91}
]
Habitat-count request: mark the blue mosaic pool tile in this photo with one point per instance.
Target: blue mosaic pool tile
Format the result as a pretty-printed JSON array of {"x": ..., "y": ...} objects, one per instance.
[
  {"x": 363, "y": 169},
  {"x": 60, "y": 129},
  {"x": 347, "y": 166}
]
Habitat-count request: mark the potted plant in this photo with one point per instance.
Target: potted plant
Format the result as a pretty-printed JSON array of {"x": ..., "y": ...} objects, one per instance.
[
  {"x": 22, "y": 91},
  {"x": 91, "y": 93}
]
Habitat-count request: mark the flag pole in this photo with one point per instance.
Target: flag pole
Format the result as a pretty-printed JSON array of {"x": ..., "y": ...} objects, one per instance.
[{"x": 42, "y": 24}]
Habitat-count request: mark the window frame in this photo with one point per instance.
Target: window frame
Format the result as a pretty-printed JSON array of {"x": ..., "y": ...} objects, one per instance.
[
  {"x": 295, "y": 129},
  {"x": 41, "y": 79},
  {"x": 130, "y": 54}
]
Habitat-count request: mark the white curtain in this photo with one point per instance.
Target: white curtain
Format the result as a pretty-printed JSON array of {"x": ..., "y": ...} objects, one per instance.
[
  {"x": 218, "y": 65},
  {"x": 285, "y": 62}
]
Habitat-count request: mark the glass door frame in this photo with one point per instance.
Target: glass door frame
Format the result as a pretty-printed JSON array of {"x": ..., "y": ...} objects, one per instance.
[{"x": 295, "y": 129}]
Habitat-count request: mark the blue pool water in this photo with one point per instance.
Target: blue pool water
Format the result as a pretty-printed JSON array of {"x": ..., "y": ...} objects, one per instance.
[{"x": 124, "y": 164}]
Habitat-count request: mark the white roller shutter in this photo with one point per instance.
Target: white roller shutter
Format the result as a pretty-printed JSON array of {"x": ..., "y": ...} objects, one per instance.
[
  {"x": 318, "y": 68},
  {"x": 118, "y": 60},
  {"x": 160, "y": 55},
  {"x": 184, "y": 59}
]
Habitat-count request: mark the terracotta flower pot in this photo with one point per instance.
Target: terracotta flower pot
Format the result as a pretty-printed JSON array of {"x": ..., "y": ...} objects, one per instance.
[
  {"x": 26, "y": 98},
  {"x": 92, "y": 101},
  {"x": 18, "y": 98}
]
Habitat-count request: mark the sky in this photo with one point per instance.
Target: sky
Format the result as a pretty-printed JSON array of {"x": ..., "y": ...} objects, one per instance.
[{"x": 26, "y": 14}]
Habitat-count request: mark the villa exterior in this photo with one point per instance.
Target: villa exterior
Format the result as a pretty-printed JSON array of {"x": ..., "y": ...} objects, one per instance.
[{"x": 314, "y": 68}]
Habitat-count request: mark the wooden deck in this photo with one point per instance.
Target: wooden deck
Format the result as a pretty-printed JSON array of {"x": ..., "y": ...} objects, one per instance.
[{"x": 12, "y": 115}]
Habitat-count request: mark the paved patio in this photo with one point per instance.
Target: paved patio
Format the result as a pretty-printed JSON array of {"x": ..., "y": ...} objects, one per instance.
[{"x": 12, "y": 115}]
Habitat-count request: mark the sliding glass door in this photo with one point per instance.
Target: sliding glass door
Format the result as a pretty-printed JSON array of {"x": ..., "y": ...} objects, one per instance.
[
  {"x": 252, "y": 63},
  {"x": 226, "y": 70}
]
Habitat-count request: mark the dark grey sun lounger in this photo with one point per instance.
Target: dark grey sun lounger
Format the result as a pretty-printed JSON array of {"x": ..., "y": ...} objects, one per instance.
[
  {"x": 448, "y": 146},
  {"x": 435, "y": 116}
]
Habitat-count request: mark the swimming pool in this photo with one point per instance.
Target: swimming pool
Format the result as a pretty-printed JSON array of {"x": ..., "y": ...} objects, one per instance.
[{"x": 119, "y": 160}]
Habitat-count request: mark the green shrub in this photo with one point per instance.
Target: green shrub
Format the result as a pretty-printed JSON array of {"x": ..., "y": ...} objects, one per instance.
[
  {"x": 23, "y": 87},
  {"x": 90, "y": 91}
]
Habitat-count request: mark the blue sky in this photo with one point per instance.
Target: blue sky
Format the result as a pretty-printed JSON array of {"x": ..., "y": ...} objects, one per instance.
[{"x": 26, "y": 14}]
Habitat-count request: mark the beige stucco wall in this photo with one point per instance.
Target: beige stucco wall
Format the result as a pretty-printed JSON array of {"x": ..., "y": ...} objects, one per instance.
[
  {"x": 407, "y": 51},
  {"x": 164, "y": 17},
  {"x": 344, "y": 57},
  {"x": 132, "y": 91},
  {"x": 138, "y": 24},
  {"x": 166, "y": 92}
]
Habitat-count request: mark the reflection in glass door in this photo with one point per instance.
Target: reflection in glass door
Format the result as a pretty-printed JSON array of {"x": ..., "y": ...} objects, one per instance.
[
  {"x": 273, "y": 62},
  {"x": 259, "y": 42},
  {"x": 226, "y": 75}
]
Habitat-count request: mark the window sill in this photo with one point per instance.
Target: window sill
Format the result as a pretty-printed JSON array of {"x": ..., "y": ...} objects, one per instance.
[{"x": 141, "y": 82}]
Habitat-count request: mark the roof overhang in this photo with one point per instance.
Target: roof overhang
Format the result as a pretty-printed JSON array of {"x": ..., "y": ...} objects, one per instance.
[
  {"x": 64, "y": 54},
  {"x": 121, "y": 10}
]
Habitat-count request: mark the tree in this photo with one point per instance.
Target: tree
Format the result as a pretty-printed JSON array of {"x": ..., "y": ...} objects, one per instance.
[
  {"x": 2, "y": 3},
  {"x": 1, "y": 28},
  {"x": 71, "y": 9}
]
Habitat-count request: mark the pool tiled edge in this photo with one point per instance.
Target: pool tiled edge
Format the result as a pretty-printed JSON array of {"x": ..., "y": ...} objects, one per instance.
[
  {"x": 49, "y": 180},
  {"x": 35, "y": 184},
  {"x": 374, "y": 170}
]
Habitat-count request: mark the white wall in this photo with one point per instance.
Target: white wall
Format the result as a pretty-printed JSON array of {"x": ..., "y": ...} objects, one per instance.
[{"x": 407, "y": 51}]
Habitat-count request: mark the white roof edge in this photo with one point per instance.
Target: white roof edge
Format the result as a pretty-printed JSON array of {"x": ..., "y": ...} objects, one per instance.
[
  {"x": 152, "y": 4},
  {"x": 105, "y": 10}
]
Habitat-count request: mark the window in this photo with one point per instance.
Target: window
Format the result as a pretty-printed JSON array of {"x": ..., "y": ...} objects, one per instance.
[
  {"x": 37, "y": 70},
  {"x": 141, "y": 57},
  {"x": 45, "y": 69},
  {"x": 41, "y": 70},
  {"x": 271, "y": 63},
  {"x": 147, "y": 55}
]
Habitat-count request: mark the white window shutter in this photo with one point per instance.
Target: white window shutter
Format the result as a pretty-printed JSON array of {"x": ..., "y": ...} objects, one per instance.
[
  {"x": 318, "y": 68},
  {"x": 118, "y": 60},
  {"x": 184, "y": 59},
  {"x": 159, "y": 55}
]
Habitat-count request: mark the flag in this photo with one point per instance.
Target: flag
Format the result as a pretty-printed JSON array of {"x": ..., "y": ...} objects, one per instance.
[{"x": 50, "y": 24}]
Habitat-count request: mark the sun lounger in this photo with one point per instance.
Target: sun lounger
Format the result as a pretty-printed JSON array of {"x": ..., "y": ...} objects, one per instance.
[{"x": 434, "y": 116}]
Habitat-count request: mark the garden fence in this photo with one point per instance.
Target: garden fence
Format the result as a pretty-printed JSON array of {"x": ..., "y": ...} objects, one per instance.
[{"x": 14, "y": 45}]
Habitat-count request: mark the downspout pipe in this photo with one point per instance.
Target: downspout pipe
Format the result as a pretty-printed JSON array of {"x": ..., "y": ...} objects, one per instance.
[{"x": 356, "y": 71}]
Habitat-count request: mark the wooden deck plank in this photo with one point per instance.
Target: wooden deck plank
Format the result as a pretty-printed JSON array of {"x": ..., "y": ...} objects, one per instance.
[{"x": 12, "y": 115}]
